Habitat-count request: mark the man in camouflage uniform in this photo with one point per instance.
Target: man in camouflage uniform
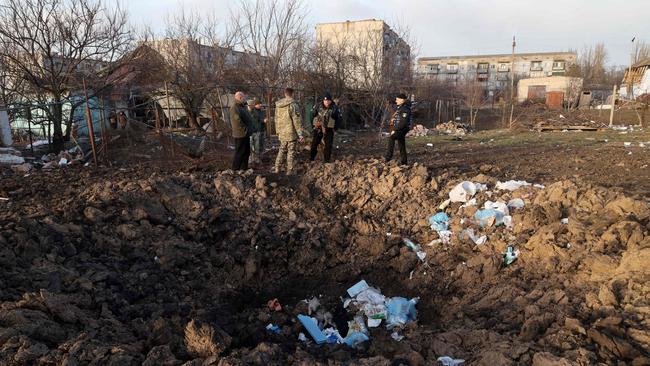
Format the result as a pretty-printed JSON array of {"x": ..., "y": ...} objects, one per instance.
[
  {"x": 259, "y": 129},
  {"x": 289, "y": 128}
]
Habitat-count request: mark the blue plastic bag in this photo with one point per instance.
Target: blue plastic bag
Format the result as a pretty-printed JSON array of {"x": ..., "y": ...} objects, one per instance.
[
  {"x": 355, "y": 339},
  {"x": 483, "y": 217},
  {"x": 400, "y": 311},
  {"x": 439, "y": 221}
]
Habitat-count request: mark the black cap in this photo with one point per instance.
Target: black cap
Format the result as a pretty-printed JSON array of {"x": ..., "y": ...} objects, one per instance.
[
  {"x": 327, "y": 96},
  {"x": 402, "y": 96}
]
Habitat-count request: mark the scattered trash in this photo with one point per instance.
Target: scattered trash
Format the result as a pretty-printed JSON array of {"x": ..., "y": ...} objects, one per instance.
[
  {"x": 396, "y": 336},
  {"x": 311, "y": 325},
  {"x": 416, "y": 248},
  {"x": 469, "y": 203},
  {"x": 510, "y": 256},
  {"x": 448, "y": 361},
  {"x": 63, "y": 161},
  {"x": 565, "y": 220},
  {"x": 489, "y": 217},
  {"x": 499, "y": 206},
  {"x": 511, "y": 185},
  {"x": 444, "y": 204},
  {"x": 358, "y": 288},
  {"x": 464, "y": 191},
  {"x": 430, "y": 145},
  {"x": 312, "y": 305},
  {"x": 333, "y": 336},
  {"x": 400, "y": 311},
  {"x": 302, "y": 337},
  {"x": 627, "y": 144},
  {"x": 274, "y": 305},
  {"x": 469, "y": 233},
  {"x": 439, "y": 221},
  {"x": 516, "y": 203},
  {"x": 355, "y": 339},
  {"x": 273, "y": 328}
]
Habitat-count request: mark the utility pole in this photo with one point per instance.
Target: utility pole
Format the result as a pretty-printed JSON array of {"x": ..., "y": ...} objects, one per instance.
[
  {"x": 512, "y": 82},
  {"x": 611, "y": 112},
  {"x": 630, "y": 86}
]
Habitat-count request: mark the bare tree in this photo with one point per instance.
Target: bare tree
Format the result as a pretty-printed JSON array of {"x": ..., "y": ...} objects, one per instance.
[
  {"x": 195, "y": 58},
  {"x": 592, "y": 62},
  {"x": 276, "y": 31},
  {"x": 50, "y": 46},
  {"x": 473, "y": 95}
]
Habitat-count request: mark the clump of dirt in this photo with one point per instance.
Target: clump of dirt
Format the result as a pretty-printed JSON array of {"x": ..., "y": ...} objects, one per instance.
[{"x": 161, "y": 269}]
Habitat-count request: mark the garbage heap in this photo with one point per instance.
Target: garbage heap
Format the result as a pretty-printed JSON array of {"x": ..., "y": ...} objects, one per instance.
[{"x": 368, "y": 308}]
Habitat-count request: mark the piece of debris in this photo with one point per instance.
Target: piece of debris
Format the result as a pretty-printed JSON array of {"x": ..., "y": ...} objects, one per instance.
[{"x": 448, "y": 361}]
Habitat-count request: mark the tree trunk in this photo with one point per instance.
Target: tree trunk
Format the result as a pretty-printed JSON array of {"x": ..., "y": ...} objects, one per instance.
[
  {"x": 192, "y": 120},
  {"x": 68, "y": 125},
  {"x": 57, "y": 122}
]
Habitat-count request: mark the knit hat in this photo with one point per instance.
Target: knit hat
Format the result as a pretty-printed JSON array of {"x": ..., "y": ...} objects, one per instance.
[
  {"x": 327, "y": 96},
  {"x": 402, "y": 96}
]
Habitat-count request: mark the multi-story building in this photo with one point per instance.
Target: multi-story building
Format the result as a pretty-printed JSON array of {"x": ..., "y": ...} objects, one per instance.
[
  {"x": 494, "y": 71},
  {"x": 372, "y": 50},
  {"x": 182, "y": 52}
]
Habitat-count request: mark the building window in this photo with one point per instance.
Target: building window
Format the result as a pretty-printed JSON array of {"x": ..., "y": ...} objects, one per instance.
[
  {"x": 559, "y": 65},
  {"x": 482, "y": 68},
  {"x": 504, "y": 67},
  {"x": 432, "y": 68},
  {"x": 452, "y": 68},
  {"x": 536, "y": 66}
]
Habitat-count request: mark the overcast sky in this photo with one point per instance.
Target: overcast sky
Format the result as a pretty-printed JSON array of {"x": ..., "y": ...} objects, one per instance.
[{"x": 462, "y": 27}]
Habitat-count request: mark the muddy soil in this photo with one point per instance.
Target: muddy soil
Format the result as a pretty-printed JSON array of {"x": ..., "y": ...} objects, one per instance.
[{"x": 154, "y": 265}]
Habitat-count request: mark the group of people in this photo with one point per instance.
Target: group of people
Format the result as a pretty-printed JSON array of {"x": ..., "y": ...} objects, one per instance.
[{"x": 248, "y": 122}]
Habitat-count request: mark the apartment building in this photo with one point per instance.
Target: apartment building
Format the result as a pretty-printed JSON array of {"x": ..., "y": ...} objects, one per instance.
[
  {"x": 494, "y": 71},
  {"x": 180, "y": 51},
  {"x": 372, "y": 49}
]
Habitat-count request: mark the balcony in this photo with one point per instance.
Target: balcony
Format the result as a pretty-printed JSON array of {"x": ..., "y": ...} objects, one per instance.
[{"x": 536, "y": 66}]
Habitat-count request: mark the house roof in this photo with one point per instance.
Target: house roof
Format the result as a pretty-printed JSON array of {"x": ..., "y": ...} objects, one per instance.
[{"x": 644, "y": 62}]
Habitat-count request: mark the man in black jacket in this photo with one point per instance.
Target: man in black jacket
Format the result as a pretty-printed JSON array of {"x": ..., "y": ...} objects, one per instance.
[
  {"x": 326, "y": 119},
  {"x": 400, "y": 125}
]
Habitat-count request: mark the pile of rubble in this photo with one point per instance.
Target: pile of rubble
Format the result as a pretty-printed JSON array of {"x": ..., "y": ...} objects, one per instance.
[
  {"x": 418, "y": 131},
  {"x": 140, "y": 268},
  {"x": 452, "y": 128}
]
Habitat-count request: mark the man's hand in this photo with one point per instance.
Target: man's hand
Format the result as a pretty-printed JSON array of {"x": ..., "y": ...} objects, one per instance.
[
  {"x": 392, "y": 133},
  {"x": 300, "y": 139}
]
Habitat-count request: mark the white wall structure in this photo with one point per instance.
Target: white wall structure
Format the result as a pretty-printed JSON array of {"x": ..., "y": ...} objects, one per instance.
[{"x": 5, "y": 129}]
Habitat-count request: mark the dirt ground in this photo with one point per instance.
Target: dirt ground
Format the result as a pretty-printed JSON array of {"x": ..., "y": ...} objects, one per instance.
[{"x": 161, "y": 260}]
